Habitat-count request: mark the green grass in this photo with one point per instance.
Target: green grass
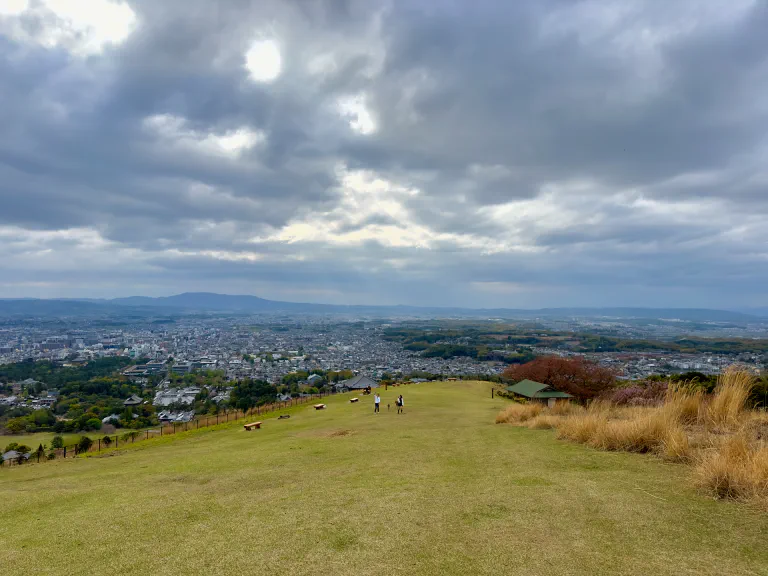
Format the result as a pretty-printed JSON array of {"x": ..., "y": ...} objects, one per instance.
[
  {"x": 34, "y": 440},
  {"x": 439, "y": 490}
]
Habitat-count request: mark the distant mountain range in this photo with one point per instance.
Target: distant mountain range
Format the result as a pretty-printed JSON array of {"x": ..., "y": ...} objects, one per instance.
[{"x": 192, "y": 302}]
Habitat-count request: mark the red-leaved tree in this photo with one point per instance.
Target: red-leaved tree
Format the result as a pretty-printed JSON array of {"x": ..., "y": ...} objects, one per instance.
[{"x": 577, "y": 376}]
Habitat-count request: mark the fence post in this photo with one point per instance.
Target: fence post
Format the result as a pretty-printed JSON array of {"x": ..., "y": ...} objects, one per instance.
[
  {"x": 65, "y": 451},
  {"x": 147, "y": 438},
  {"x": 161, "y": 429},
  {"x": 217, "y": 418},
  {"x": 99, "y": 445},
  {"x": 116, "y": 439}
]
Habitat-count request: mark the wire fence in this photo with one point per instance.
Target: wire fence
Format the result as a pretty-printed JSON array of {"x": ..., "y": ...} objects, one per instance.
[{"x": 114, "y": 442}]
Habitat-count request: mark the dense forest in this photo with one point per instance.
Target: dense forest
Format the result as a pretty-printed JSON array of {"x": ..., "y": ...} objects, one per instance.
[{"x": 55, "y": 375}]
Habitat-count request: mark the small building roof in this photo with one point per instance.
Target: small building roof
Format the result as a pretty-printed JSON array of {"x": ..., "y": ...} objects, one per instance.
[
  {"x": 132, "y": 401},
  {"x": 13, "y": 454},
  {"x": 531, "y": 389},
  {"x": 358, "y": 383}
]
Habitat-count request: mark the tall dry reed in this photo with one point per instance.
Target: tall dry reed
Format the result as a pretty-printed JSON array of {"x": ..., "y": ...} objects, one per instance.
[
  {"x": 519, "y": 413},
  {"x": 726, "y": 443},
  {"x": 737, "y": 468},
  {"x": 729, "y": 399},
  {"x": 683, "y": 404}
]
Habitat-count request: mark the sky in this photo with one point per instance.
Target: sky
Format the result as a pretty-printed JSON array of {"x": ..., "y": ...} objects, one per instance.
[{"x": 482, "y": 154}]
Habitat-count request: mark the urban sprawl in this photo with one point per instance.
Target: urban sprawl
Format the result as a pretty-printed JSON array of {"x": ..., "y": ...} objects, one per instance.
[{"x": 268, "y": 349}]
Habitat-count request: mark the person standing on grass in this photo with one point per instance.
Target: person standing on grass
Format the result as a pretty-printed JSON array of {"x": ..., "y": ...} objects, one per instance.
[
  {"x": 400, "y": 405},
  {"x": 376, "y": 402}
]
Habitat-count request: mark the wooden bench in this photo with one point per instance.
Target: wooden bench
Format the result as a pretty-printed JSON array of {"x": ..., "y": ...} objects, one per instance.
[
  {"x": 251, "y": 426},
  {"x": 354, "y": 400},
  {"x": 319, "y": 406}
]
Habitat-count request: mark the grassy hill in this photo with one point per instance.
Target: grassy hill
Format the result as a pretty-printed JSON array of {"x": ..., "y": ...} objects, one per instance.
[{"x": 438, "y": 490}]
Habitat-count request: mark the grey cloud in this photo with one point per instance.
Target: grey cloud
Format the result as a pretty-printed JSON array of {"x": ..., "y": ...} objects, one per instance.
[{"x": 477, "y": 105}]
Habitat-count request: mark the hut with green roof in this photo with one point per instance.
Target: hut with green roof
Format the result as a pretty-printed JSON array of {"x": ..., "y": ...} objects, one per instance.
[{"x": 538, "y": 392}]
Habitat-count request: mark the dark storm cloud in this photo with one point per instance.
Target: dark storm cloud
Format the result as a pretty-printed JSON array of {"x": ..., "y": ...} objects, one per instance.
[{"x": 514, "y": 153}]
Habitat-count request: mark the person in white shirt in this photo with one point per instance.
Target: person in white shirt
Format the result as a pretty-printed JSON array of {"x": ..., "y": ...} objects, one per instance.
[
  {"x": 400, "y": 405},
  {"x": 376, "y": 402}
]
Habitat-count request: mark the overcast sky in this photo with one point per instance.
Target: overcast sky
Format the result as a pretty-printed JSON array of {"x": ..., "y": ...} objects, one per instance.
[{"x": 520, "y": 154}]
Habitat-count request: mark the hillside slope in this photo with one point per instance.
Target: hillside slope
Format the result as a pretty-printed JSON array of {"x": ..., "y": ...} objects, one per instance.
[{"x": 438, "y": 490}]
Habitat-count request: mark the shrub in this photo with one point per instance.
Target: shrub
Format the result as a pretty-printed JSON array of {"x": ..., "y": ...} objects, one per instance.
[
  {"x": 22, "y": 448},
  {"x": 132, "y": 435},
  {"x": 509, "y": 396},
  {"x": 645, "y": 394},
  {"x": 57, "y": 442},
  {"x": 52, "y": 456},
  {"x": 84, "y": 444},
  {"x": 17, "y": 425},
  {"x": 106, "y": 441},
  {"x": 92, "y": 424}
]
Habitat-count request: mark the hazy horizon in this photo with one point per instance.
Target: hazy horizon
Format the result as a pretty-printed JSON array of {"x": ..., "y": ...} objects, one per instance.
[
  {"x": 482, "y": 155},
  {"x": 759, "y": 310}
]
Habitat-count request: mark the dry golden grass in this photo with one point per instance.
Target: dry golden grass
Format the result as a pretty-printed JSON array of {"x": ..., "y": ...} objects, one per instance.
[
  {"x": 683, "y": 404},
  {"x": 519, "y": 413},
  {"x": 726, "y": 443},
  {"x": 727, "y": 404},
  {"x": 543, "y": 422},
  {"x": 581, "y": 428},
  {"x": 676, "y": 446},
  {"x": 738, "y": 469},
  {"x": 565, "y": 409}
]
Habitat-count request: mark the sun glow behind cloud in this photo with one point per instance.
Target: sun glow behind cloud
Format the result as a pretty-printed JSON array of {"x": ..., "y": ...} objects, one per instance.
[
  {"x": 13, "y": 7},
  {"x": 263, "y": 61},
  {"x": 82, "y": 27}
]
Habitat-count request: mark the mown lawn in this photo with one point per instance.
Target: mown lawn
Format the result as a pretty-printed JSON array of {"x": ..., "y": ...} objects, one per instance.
[
  {"x": 34, "y": 440},
  {"x": 439, "y": 490}
]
